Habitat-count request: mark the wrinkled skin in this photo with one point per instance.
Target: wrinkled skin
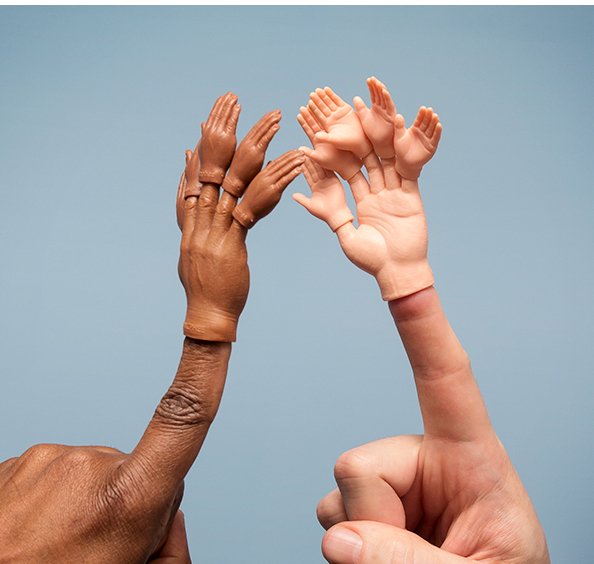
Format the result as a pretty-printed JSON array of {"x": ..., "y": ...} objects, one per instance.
[
  {"x": 85, "y": 504},
  {"x": 213, "y": 265}
]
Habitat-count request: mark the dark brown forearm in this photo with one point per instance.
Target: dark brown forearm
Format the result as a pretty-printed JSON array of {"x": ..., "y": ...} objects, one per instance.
[{"x": 185, "y": 413}]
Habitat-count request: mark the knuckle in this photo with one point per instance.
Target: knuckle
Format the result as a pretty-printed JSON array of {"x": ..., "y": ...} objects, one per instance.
[
  {"x": 225, "y": 207},
  {"x": 184, "y": 406},
  {"x": 353, "y": 464},
  {"x": 42, "y": 452}
]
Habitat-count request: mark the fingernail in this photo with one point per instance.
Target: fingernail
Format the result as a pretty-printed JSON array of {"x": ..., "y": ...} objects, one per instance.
[{"x": 342, "y": 545}]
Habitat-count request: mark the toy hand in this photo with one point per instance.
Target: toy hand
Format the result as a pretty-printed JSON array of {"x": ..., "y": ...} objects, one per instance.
[
  {"x": 415, "y": 146},
  {"x": 327, "y": 201},
  {"x": 265, "y": 191},
  {"x": 391, "y": 240},
  {"x": 339, "y": 121},
  {"x": 378, "y": 123},
  {"x": 249, "y": 156},
  {"x": 192, "y": 169},
  {"x": 218, "y": 139},
  {"x": 448, "y": 496},
  {"x": 326, "y": 154}
]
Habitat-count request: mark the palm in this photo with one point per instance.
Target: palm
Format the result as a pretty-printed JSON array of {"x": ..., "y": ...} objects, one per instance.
[
  {"x": 378, "y": 122},
  {"x": 414, "y": 147},
  {"x": 339, "y": 122},
  {"x": 344, "y": 128},
  {"x": 392, "y": 230},
  {"x": 378, "y": 127}
]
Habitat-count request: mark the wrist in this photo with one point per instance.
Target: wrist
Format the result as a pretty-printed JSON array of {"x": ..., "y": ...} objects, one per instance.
[
  {"x": 339, "y": 218},
  {"x": 210, "y": 325},
  {"x": 403, "y": 279},
  {"x": 415, "y": 306},
  {"x": 212, "y": 175},
  {"x": 233, "y": 185},
  {"x": 408, "y": 172}
]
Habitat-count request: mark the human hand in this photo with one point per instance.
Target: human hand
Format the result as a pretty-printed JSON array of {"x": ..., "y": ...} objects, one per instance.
[
  {"x": 217, "y": 146},
  {"x": 339, "y": 122},
  {"x": 175, "y": 550},
  {"x": 378, "y": 122},
  {"x": 249, "y": 156},
  {"x": 327, "y": 201},
  {"x": 99, "y": 505},
  {"x": 450, "y": 495},
  {"x": 414, "y": 147},
  {"x": 326, "y": 154}
]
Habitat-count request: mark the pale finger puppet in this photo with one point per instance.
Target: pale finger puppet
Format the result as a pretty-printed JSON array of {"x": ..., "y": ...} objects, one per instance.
[
  {"x": 390, "y": 241},
  {"x": 213, "y": 265}
]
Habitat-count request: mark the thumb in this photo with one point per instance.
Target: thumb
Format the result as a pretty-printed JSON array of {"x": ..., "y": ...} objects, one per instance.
[
  {"x": 359, "y": 104},
  {"x": 368, "y": 542},
  {"x": 399, "y": 122},
  {"x": 303, "y": 200},
  {"x": 322, "y": 136}
]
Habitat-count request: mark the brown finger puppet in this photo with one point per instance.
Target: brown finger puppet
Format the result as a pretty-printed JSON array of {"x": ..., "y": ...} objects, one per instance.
[
  {"x": 266, "y": 189},
  {"x": 192, "y": 173},
  {"x": 217, "y": 145},
  {"x": 249, "y": 156}
]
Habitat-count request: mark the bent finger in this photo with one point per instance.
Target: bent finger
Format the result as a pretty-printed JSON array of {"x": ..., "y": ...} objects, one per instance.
[
  {"x": 374, "y": 477},
  {"x": 331, "y": 510}
]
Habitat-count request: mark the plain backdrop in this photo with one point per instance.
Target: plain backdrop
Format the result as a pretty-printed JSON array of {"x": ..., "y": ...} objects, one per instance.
[{"x": 96, "y": 108}]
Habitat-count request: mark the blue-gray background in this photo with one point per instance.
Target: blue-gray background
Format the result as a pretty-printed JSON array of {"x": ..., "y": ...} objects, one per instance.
[{"x": 96, "y": 108}]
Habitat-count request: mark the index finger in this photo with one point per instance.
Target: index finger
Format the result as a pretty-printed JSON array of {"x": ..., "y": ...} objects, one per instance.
[
  {"x": 449, "y": 397},
  {"x": 175, "y": 434}
]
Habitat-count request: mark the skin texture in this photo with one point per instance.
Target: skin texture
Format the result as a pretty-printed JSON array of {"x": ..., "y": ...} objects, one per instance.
[
  {"x": 62, "y": 504},
  {"x": 99, "y": 505},
  {"x": 450, "y": 495},
  {"x": 213, "y": 262},
  {"x": 217, "y": 146},
  {"x": 326, "y": 154}
]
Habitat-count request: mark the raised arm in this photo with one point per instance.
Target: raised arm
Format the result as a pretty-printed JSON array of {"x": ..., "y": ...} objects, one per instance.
[
  {"x": 452, "y": 494},
  {"x": 97, "y": 504}
]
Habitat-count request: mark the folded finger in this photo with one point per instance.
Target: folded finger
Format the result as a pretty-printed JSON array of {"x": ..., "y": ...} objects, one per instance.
[
  {"x": 330, "y": 509},
  {"x": 373, "y": 478}
]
